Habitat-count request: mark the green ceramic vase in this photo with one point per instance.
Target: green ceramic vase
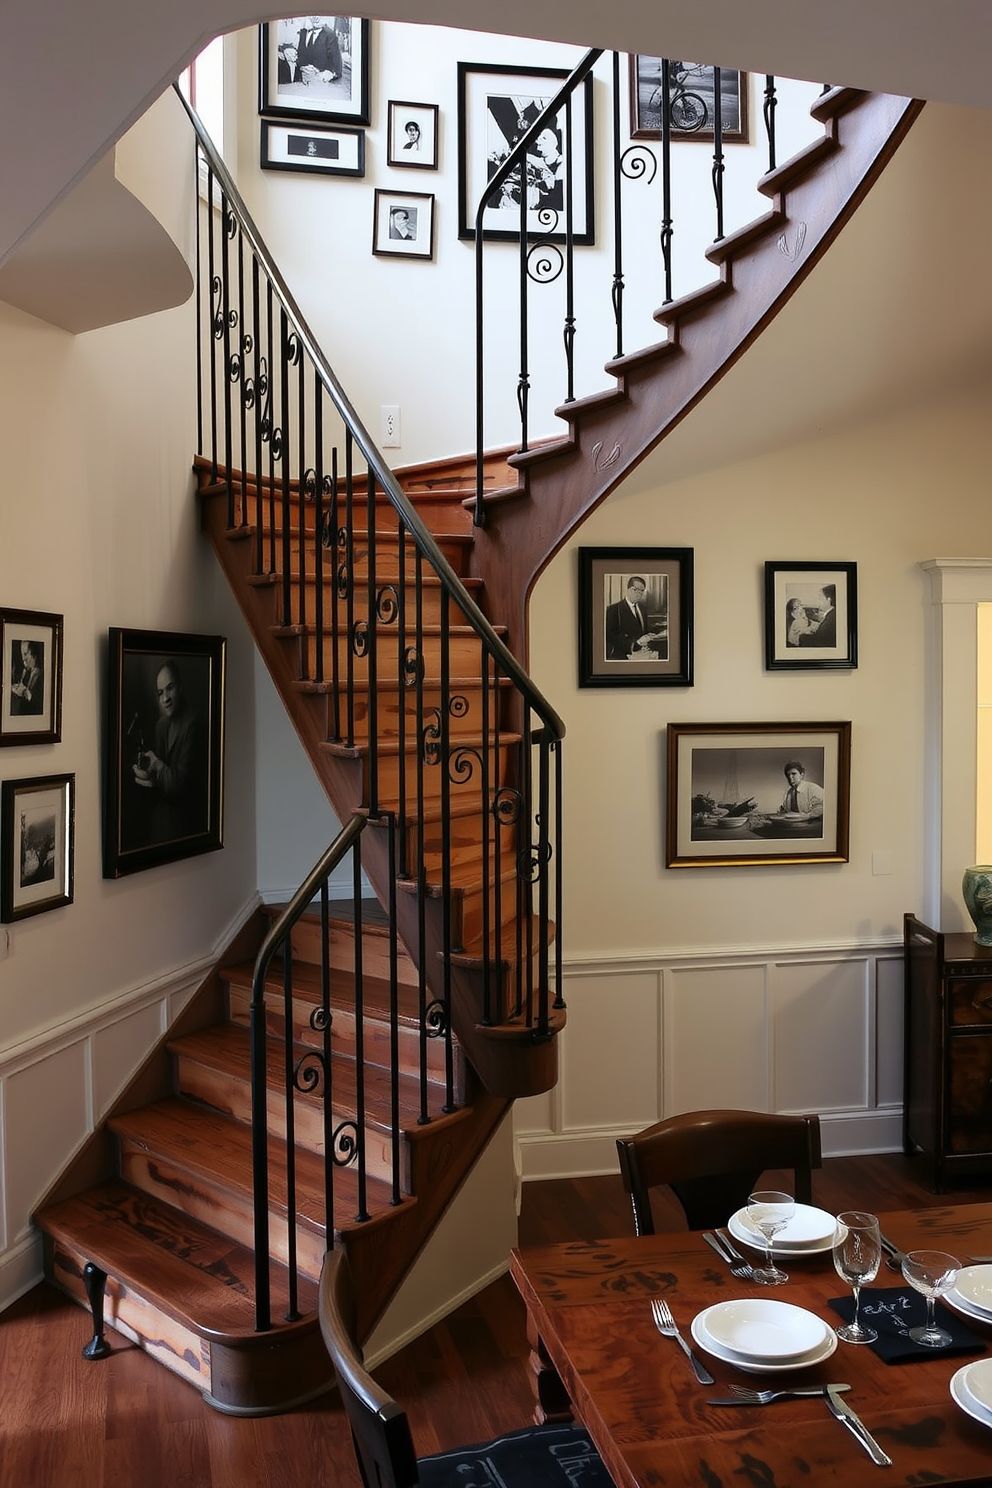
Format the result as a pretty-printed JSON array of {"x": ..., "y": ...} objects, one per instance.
[{"x": 977, "y": 889}]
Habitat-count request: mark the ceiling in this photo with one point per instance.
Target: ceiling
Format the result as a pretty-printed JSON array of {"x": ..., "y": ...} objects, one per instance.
[{"x": 75, "y": 74}]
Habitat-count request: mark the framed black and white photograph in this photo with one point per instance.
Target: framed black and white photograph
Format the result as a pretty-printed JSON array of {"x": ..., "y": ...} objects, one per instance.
[
  {"x": 496, "y": 107},
  {"x": 412, "y": 135},
  {"x": 315, "y": 67},
  {"x": 36, "y": 845},
  {"x": 635, "y": 617},
  {"x": 164, "y": 777},
  {"x": 313, "y": 148},
  {"x": 758, "y": 793},
  {"x": 403, "y": 224},
  {"x": 691, "y": 100},
  {"x": 30, "y": 677},
  {"x": 811, "y": 616}
]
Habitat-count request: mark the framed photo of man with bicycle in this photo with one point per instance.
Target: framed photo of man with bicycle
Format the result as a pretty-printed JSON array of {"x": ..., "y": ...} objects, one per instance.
[{"x": 692, "y": 100}]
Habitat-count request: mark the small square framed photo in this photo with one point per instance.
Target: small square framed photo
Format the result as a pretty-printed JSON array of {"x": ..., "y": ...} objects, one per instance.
[
  {"x": 36, "y": 845},
  {"x": 312, "y": 148},
  {"x": 30, "y": 677},
  {"x": 757, "y": 793},
  {"x": 635, "y": 617},
  {"x": 412, "y": 135},
  {"x": 315, "y": 67},
  {"x": 403, "y": 224},
  {"x": 811, "y": 616},
  {"x": 691, "y": 100}
]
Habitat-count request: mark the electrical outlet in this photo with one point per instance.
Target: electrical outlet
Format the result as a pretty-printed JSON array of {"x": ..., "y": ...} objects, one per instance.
[{"x": 390, "y": 426}]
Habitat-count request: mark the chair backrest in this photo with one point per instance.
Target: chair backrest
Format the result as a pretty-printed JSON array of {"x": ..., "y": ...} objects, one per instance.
[
  {"x": 713, "y": 1160},
  {"x": 379, "y": 1427}
]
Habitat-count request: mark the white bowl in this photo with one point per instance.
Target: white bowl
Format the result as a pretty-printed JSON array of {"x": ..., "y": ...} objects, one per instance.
[
  {"x": 733, "y": 821},
  {"x": 808, "y": 1227},
  {"x": 974, "y": 1284},
  {"x": 762, "y": 1328},
  {"x": 750, "y": 1365}
]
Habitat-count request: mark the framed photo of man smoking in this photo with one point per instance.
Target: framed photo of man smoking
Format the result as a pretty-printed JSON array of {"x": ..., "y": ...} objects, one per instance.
[
  {"x": 315, "y": 67},
  {"x": 811, "y": 616},
  {"x": 164, "y": 780},
  {"x": 635, "y": 617},
  {"x": 757, "y": 793},
  {"x": 30, "y": 677}
]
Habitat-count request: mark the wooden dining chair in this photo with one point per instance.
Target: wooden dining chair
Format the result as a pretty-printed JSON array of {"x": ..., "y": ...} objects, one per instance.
[
  {"x": 536, "y": 1457},
  {"x": 712, "y": 1160}
]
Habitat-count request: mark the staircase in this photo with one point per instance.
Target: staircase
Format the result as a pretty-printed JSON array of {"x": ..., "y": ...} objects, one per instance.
[{"x": 337, "y": 1078}]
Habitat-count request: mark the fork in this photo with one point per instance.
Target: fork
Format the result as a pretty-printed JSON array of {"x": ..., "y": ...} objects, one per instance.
[
  {"x": 765, "y": 1397},
  {"x": 738, "y": 1265},
  {"x": 666, "y": 1325}
]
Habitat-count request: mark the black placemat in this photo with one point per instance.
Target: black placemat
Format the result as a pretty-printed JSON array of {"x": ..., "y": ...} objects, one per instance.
[{"x": 892, "y": 1311}]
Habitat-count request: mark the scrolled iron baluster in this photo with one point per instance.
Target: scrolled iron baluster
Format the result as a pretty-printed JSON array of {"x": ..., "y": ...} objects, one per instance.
[
  {"x": 309, "y": 1071},
  {"x": 293, "y": 349},
  {"x": 639, "y": 163},
  {"x": 435, "y": 1019},
  {"x": 413, "y": 667},
  {"x": 718, "y": 161},
  {"x": 345, "y": 1144},
  {"x": 217, "y": 306},
  {"x": 545, "y": 262},
  {"x": 463, "y": 763},
  {"x": 320, "y": 1018},
  {"x": 667, "y": 221},
  {"x": 458, "y": 706},
  {"x": 308, "y": 485},
  {"x": 769, "y": 105},
  {"x": 387, "y": 605},
  {"x": 506, "y": 806},
  {"x": 360, "y": 638},
  {"x": 430, "y": 740}
]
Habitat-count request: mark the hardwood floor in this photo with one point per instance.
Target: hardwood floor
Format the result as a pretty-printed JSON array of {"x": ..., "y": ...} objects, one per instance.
[{"x": 125, "y": 1421}]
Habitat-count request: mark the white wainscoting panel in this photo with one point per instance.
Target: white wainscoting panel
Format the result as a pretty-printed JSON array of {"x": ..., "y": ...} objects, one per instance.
[
  {"x": 809, "y": 1028},
  {"x": 51, "y": 1100},
  {"x": 113, "y": 1049}
]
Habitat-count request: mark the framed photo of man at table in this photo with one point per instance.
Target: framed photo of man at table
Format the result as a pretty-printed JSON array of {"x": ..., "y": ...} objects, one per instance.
[
  {"x": 811, "y": 616},
  {"x": 30, "y": 677},
  {"x": 315, "y": 67},
  {"x": 757, "y": 794},
  {"x": 37, "y": 819},
  {"x": 635, "y": 617},
  {"x": 164, "y": 766}
]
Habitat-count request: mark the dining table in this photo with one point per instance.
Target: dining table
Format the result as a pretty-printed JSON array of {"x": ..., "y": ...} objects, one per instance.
[{"x": 598, "y": 1358}]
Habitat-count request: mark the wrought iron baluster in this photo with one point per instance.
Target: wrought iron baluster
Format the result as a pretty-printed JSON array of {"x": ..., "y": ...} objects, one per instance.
[
  {"x": 350, "y": 555},
  {"x": 244, "y": 351},
  {"x": 258, "y": 407},
  {"x": 372, "y": 655},
  {"x": 228, "y": 221},
  {"x": 330, "y": 540},
  {"x": 667, "y": 220},
  {"x": 212, "y": 289},
  {"x": 272, "y": 436},
  {"x": 446, "y": 882},
  {"x": 559, "y": 1002},
  {"x": 489, "y": 852},
  {"x": 618, "y": 279},
  {"x": 718, "y": 163},
  {"x": 768, "y": 110},
  {"x": 421, "y": 864},
  {"x": 305, "y": 476},
  {"x": 318, "y": 526},
  {"x": 291, "y": 1076},
  {"x": 325, "y": 1028},
  {"x": 401, "y": 735},
  {"x": 394, "y": 1015},
  {"x": 286, "y": 517},
  {"x": 523, "y": 377},
  {"x": 198, "y": 240},
  {"x": 569, "y": 330},
  {"x": 360, "y": 1102}
]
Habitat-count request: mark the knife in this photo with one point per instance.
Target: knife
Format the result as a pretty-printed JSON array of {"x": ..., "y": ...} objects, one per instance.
[
  {"x": 894, "y": 1254},
  {"x": 843, "y": 1412},
  {"x": 731, "y": 1249},
  {"x": 712, "y": 1241}
]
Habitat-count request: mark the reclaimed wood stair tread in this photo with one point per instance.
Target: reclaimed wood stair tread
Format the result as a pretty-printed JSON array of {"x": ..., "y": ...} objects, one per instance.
[
  {"x": 185, "y": 1269},
  {"x": 308, "y": 987}
]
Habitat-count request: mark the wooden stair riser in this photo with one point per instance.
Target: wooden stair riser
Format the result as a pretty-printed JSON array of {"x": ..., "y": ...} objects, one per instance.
[
  {"x": 427, "y": 845},
  {"x": 388, "y": 596},
  {"x": 388, "y": 564},
  {"x": 399, "y": 710},
  {"x": 442, "y": 511},
  {"x": 465, "y": 656},
  {"x": 465, "y": 781},
  {"x": 306, "y": 945}
]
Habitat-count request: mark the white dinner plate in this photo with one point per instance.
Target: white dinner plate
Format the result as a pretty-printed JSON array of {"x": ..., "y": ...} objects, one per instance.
[
  {"x": 967, "y": 1309},
  {"x": 761, "y": 1328},
  {"x": 963, "y": 1397},
  {"x": 976, "y": 1381},
  {"x": 974, "y": 1284},
  {"x": 759, "y": 1366},
  {"x": 808, "y": 1232}
]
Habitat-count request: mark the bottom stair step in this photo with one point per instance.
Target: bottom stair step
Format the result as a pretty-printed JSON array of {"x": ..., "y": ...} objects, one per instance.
[{"x": 185, "y": 1294}]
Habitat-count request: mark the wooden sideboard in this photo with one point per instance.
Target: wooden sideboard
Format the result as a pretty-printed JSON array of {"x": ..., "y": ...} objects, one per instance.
[{"x": 947, "y": 1112}]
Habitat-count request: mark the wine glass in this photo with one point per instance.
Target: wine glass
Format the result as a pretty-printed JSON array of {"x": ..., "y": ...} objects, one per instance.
[
  {"x": 857, "y": 1257},
  {"x": 770, "y": 1212},
  {"x": 933, "y": 1273}
]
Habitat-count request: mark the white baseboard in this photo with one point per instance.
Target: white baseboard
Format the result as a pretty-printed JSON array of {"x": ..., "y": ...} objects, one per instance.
[{"x": 21, "y": 1268}]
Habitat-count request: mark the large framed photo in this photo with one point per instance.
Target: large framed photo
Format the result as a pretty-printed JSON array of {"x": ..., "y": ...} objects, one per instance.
[
  {"x": 758, "y": 793},
  {"x": 312, "y": 148},
  {"x": 164, "y": 781},
  {"x": 691, "y": 100},
  {"x": 403, "y": 224},
  {"x": 496, "y": 107},
  {"x": 36, "y": 845},
  {"x": 412, "y": 135},
  {"x": 811, "y": 616},
  {"x": 635, "y": 617},
  {"x": 30, "y": 677},
  {"x": 315, "y": 67}
]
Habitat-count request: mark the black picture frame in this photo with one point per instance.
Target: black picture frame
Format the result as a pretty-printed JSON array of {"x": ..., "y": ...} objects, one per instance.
[
  {"x": 282, "y": 91},
  {"x": 714, "y": 768},
  {"x": 164, "y": 765},
  {"x": 316, "y": 149},
  {"x": 811, "y": 616},
  {"x": 412, "y": 135},
  {"x": 37, "y": 828},
  {"x": 30, "y": 677},
  {"x": 496, "y": 104},
  {"x": 692, "y": 90},
  {"x": 610, "y": 654},
  {"x": 403, "y": 224}
]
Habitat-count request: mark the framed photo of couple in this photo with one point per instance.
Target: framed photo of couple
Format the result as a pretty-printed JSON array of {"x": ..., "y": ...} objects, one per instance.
[
  {"x": 811, "y": 616},
  {"x": 635, "y": 617}
]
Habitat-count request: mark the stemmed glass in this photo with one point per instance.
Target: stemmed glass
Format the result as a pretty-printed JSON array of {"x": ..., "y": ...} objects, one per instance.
[
  {"x": 933, "y": 1273},
  {"x": 857, "y": 1257},
  {"x": 770, "y": 1212}
]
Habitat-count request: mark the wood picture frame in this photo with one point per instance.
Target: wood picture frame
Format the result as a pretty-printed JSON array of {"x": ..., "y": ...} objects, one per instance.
[
  {"x": 811, "y": 616},
  {"x": 316, "y": 149},
  {"x": 30, "y": 677},
  {"x": 412, "y": 135},
  {"x": 635, "y": 617},
  {"x": 403, "y": 224},
  {"x": 757, "y": 794},
  {"x": 496, "y": 106},
  {"x": 319, "y": 73},
  {"x": 37, "y": 826},
  {"x": 692, "y": 95},
  {"x": 164, "y": 765}
]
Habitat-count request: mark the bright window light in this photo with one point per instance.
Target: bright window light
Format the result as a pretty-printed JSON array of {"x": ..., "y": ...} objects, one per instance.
[{"x": 203, "y": 84}]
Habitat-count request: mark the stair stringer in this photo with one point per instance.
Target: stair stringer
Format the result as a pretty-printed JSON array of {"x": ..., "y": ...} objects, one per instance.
[{"x": 560, "y": 482}]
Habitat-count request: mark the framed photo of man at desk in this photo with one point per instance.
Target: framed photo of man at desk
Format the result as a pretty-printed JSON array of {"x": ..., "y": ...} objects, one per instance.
[
  {"x": 635, "y": 617},
  {"x": 315, "y": 67},
  {"x": 164, "y": 768},
  {"x": 30, "y": 677},
  {"x": 757, "y": 793},
  {"x": 811, "y": 616}
]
